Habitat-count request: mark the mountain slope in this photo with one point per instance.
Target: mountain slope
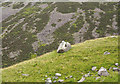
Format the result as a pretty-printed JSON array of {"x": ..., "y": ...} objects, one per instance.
[
  {"x": 76, "y": 62},
  {"x": 38, "y": 28}
]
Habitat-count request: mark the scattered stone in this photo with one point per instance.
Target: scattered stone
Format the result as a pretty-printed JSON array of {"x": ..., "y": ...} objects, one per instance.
[
  {"x": 42, "y": 79},
  {"x": 55, "y": 77},
  {"x": 87, "y": 75},
  {"x": 94, "y": 68},
  {"x": 63, "y": 47},
  {"x": 25, "y": 74},
  {"x": 103, "y": 72},
  {"x": 66, "y": 77},
  {"x": 60, "y": 80},
  {"x": 54, "y": 81},
  {"x": 106, "y": 53},
  {"x": 116, "y": 64},
  {"x": 48, "y": 81},
  {"x": 70, "y": 76},
  {"x": 98, "y": 78},
  {"x": 45, "y": 75},
  {"x": 81, "y": 80},
  {"x": 57, "y": 74},
  {"x": 115, "y": 69}
]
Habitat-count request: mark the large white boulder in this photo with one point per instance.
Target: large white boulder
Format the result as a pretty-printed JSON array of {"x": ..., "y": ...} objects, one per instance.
[{"x": 63, "y": 47}]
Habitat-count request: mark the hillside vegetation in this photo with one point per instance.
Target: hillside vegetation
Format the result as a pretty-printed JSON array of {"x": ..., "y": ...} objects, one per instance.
[
  {"x": 37, "y": 28},
  {"x": 77, "y": 62}
]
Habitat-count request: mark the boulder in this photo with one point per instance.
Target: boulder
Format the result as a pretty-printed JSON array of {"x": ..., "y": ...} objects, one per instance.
[
  {"x": 63, "y": 47},
  {"x": 103, "y": 72}
]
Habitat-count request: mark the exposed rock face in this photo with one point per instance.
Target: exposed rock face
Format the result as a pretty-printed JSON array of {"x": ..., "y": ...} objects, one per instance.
[
  {"x": 63, "y": 47},
  {"x": 40, "y": 27}
]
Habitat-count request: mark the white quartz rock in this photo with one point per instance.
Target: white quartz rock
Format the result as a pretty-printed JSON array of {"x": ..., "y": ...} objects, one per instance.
[{"x": 63, "y": 47}]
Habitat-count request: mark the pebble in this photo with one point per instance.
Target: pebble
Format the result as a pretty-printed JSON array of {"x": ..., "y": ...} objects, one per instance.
[
  {"x": 54, "y": 81},
  {"x": 25, "y": 74},
  {"x": 81, "y": 80},
  {"x": 60, "y": 80},
  {"x": 115, "y": 69},
  {"x": 87, "y": 75},
  {"x": 57, "y": 74},
  {"x": 106, "y": 53},
  {"x": 45, "y": 75},
  {"x": 94, "y": 68},
  {"x": 71, "y": 76},
  {"x": 116, "y": 64}
]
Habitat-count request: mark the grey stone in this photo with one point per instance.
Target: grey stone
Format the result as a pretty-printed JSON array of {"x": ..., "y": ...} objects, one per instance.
[
  {"x": 116, "y": 64},
  {"x": 106, "y": 53},
  {"x": 98, "y": 78},
  {"x": 57, "y": 74},
  {"x": 70, "y": 76},
  {"x": 63, "y": 47},
  {"x": 81, "y": 80},
  {"x": 103, "y": 72},
  {"x": 48, "y": 81},
  {"x": 25, "y": 74},
  {"x": 60, "y": 80},
  {"x": 115, "y": 69},
  {"x": 94, "y": 68}
]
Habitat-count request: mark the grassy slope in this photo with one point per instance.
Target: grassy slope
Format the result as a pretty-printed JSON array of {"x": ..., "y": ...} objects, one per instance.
[{"x": 76, "y": 61}]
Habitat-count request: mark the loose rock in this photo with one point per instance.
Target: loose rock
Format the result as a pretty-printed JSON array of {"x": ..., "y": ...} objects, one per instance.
[
  {"x": 87, "y": 75},
  {"x": 60, "y": 80},
  {"x": 57, "y": 74},
  {"x": 81, "y": 80},
  {"x": 94, "y": 68},
  {"x": 116, "y": 64},
  {"x": 48, "y": 81},
  {"x": 70, "y": 76},
  {"x": 115, "y": 69},
  {"x": 25, "y": 74},
  {"x": 103, "y": 72}
]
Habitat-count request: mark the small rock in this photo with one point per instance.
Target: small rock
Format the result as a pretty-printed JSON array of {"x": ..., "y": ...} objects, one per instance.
[
  {"x": 70, "y": 76},
  {"x": 81, "y": 80},
  {"x": 60, "y": 80},
  {"x": 94, "y": 68},
  {"x": 57, "y": 74},
  {"x": 116, "y": 64},
  {"x": 103, "y": 72},
  {"x": 106, "y": 53},
  {"x": 66, "y": 77},
  {"x": 25, "y": 74},
  {"x": 110, "y": 68},
  {"x": 87, "y": 75},
  {"x": 97, "y": 78},
  {"x": 54, "y": 81},
  {"x": 115, "y": 69},
  {"x": 42, "y": 79},
  {"x": 48, "y": 81},
  {"x": 45, "y": 75}
]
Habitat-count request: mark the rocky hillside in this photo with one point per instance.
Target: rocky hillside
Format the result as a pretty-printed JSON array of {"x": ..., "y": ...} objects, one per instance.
[
  {"x": 32, "y": 29},
  {"x": 80, "y": 64}
]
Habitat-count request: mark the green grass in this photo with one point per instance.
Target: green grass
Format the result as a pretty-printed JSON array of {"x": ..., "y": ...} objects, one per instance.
[{"x": 76, "y": 61}]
